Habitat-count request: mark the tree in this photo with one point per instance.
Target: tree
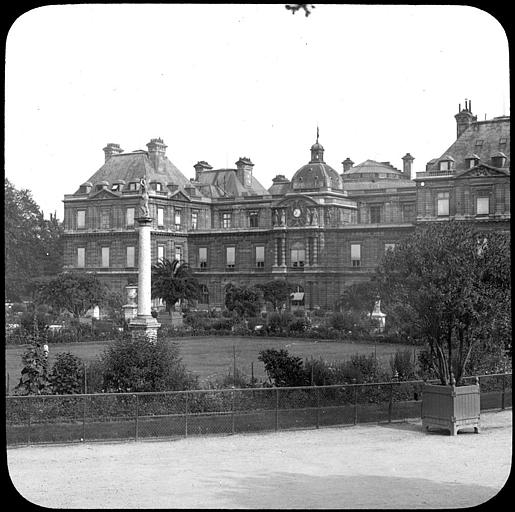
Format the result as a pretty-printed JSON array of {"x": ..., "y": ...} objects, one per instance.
[
  {"x": 243, "y": 300},
  {"x": 72, "y": 291},
  {"x": 173, "y": 281},
  {"x": 359, "y": 297},
  {"x": 277, "y": 292},
  {"x": 33, "y": 245},
  {"x": 456, "y": 282},
  {"x": 135, "y": 365}
]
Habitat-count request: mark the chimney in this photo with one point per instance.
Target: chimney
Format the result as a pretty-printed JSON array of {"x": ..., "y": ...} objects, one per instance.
[
  {"x": 112, "y": 149},
  {"x": 156, "y": 152},
  {"x": 200, "y": 167},
  {"x": 464, "y": 118},
  {"x": 347, "y": 164},
  {"x": 407, "y": 162},
  {"x": 244, "y": 171}
]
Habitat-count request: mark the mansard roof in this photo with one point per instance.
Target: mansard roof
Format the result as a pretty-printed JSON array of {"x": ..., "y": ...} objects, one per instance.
[
  {"x": 482, "y": 138},
  {"x": 130, "y": 167},
  {"x": 225, "y": 183}
]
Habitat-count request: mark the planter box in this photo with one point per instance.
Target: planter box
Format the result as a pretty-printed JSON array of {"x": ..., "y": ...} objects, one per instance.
[{"x": 450, "y": 407}]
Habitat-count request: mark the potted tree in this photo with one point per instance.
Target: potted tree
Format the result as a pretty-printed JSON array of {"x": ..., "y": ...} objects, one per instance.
[{"x": 455, "y": 283}]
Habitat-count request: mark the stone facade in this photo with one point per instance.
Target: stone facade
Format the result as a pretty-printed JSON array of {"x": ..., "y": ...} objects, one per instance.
[{"x": 322, "y": 230}]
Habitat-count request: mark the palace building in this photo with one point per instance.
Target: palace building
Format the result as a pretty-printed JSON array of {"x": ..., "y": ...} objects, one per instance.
[{"x": 322, "y": 230}]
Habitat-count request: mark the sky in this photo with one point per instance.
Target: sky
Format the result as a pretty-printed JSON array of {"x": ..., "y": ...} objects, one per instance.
[{"x": 219, "y": 82}]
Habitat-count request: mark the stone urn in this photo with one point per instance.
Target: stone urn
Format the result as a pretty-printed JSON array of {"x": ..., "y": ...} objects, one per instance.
[{"x": 451, "y": 407}]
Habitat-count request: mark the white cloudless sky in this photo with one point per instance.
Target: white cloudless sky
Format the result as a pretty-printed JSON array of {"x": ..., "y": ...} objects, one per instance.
[{"x": 217, "y": 82}]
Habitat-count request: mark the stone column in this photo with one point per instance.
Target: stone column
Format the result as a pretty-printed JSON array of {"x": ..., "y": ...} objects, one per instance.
[{"x": 144, "y": 323}]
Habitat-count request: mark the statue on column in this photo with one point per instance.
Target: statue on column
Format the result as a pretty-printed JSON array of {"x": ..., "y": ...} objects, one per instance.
[
  {"x": 143, "y": 203},
  {"x": 283, "y": 217}
]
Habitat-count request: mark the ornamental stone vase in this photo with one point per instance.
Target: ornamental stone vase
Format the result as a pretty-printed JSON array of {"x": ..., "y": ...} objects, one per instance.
[{"x": 451, "y": 407}]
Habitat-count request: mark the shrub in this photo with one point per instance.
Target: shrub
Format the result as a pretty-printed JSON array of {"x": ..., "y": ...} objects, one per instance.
[
  {"x": 67, "y": 374},
  {"x": 134, "y": 364},
  {"x": 34, "y": 374},
  {"x": 278, "y": 322},
  {"x": 31, "y": 323},
  {"x": 402, "y": 365},
  {"x": 297, "y": 325},
  {"x": 282, "y": 368}
]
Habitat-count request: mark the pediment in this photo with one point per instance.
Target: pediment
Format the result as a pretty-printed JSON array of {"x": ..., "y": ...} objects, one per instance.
[
  {"x": 104, "y": 194},
  {"x": 296, "y": 200},
  {"x": 180, "y": 196},
  {"x": 482, "y": 171}
]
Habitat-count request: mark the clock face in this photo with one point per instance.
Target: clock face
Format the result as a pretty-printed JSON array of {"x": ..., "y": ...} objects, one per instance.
[{"x": 296, "y": 212}]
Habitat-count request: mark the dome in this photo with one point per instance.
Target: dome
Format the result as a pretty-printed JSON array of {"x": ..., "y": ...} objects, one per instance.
[
  {"x": 370, "y": 170},
  {"x": 316, "y": 175},
  {"x": 317, "y": 147}
]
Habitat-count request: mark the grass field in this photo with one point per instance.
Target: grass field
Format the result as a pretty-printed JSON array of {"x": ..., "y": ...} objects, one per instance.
[{"x": 210, "y": 357}]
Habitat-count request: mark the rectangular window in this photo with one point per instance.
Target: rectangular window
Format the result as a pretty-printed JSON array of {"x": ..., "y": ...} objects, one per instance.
[
  {"x": 131, "y": 262},
  {"x": 442, "y": 203},
  {"x": 178, "y": 253},
  {"x": 355, "y": 255},
  {"x": 177, "y": 219},
  {"x": 230, "y": 257},
  {"x": 445, "y": 165},
  {"x": 158, "y": 187},
  {"x": 129, "y": 215},
  {"x": 408, "y": 212},
  {"x": 160, "y": 217},
  {"x": 389, "y": 247},
  {"x": 253, "y": 219},
  {"x": 115, "y": 187},
  {"x": 160, "y": 252},
  {"x": 375, "y": 214},
  {"x": 482, "y": 205},
  {"x": 298, "y": 257},
  {"x": 260, "y": 256},
  {"x": 81, "y": 219},
  {"x": 202, "y": 257},
  {"x": 133, "y": 186},
  {"x": 104, "y": 219},
  {"x": 81, "y": 257},
  {"x": 105, "y": 257},
  {"x": 226, "y": 220},
  {"x": 194, "y": 220}
]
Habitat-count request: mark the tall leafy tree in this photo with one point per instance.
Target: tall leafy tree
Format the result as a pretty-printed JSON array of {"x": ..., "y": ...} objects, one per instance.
[
  {"x": 277, "y": 292},
  {"x": 359, "y": 297},
  {"x": 244, "y": 300},
  {"x": 173, "y": 281},
  {"x": 456, "y": 283},
  {"x": 33, "y": 245},
  {"x": 72, "y": 291}
]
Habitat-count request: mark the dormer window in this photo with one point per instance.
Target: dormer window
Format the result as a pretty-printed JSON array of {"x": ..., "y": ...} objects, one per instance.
[
  {"x": 471, "y": 161},
  {"x": 503, "y": 141},
  {"x": 498, "y": 159},
  {"x": 158, "y": 187},
  {"x": 445, "y": 165},
  {"x": 116, "y": 187},
  {"x": 133, "y": 186},
  {"x": 479, "y": 143}
]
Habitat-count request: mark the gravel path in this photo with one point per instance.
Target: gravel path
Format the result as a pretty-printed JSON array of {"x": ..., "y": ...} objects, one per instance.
[{"x": 371, "y": 466}]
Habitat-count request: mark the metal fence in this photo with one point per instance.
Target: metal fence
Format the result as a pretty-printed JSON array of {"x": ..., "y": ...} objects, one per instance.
[{"x": 121, "y": 416}]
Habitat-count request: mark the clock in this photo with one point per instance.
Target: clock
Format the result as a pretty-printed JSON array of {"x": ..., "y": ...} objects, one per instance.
[{"x": 296, "y": 212}]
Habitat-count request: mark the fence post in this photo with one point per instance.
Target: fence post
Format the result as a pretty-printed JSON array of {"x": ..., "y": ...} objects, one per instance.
[
  {"x": 503, "y": 391},
  {"x": 84, "y": 417},
  {"x": 186, "y": 419},
  {"x": 136, "y": 426},
  {"x": 29, "y": 418},
  {"x": 390, "y": 403},
  {"x": 355, "y": 404},
  {"x": 318, "y": 406},
  {"x": 276, "y": 409},
  {"x": 232, "y": 412}
]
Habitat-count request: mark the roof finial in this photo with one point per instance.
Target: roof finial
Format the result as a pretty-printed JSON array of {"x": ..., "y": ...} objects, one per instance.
[{"x": 317, "y": 133}]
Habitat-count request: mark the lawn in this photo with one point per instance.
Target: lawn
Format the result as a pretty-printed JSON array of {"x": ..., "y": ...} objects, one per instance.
[{"x": 211, "y": 357}]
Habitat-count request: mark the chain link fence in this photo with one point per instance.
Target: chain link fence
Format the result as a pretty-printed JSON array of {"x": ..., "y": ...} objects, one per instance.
[{"x": 121, "y": 416}]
